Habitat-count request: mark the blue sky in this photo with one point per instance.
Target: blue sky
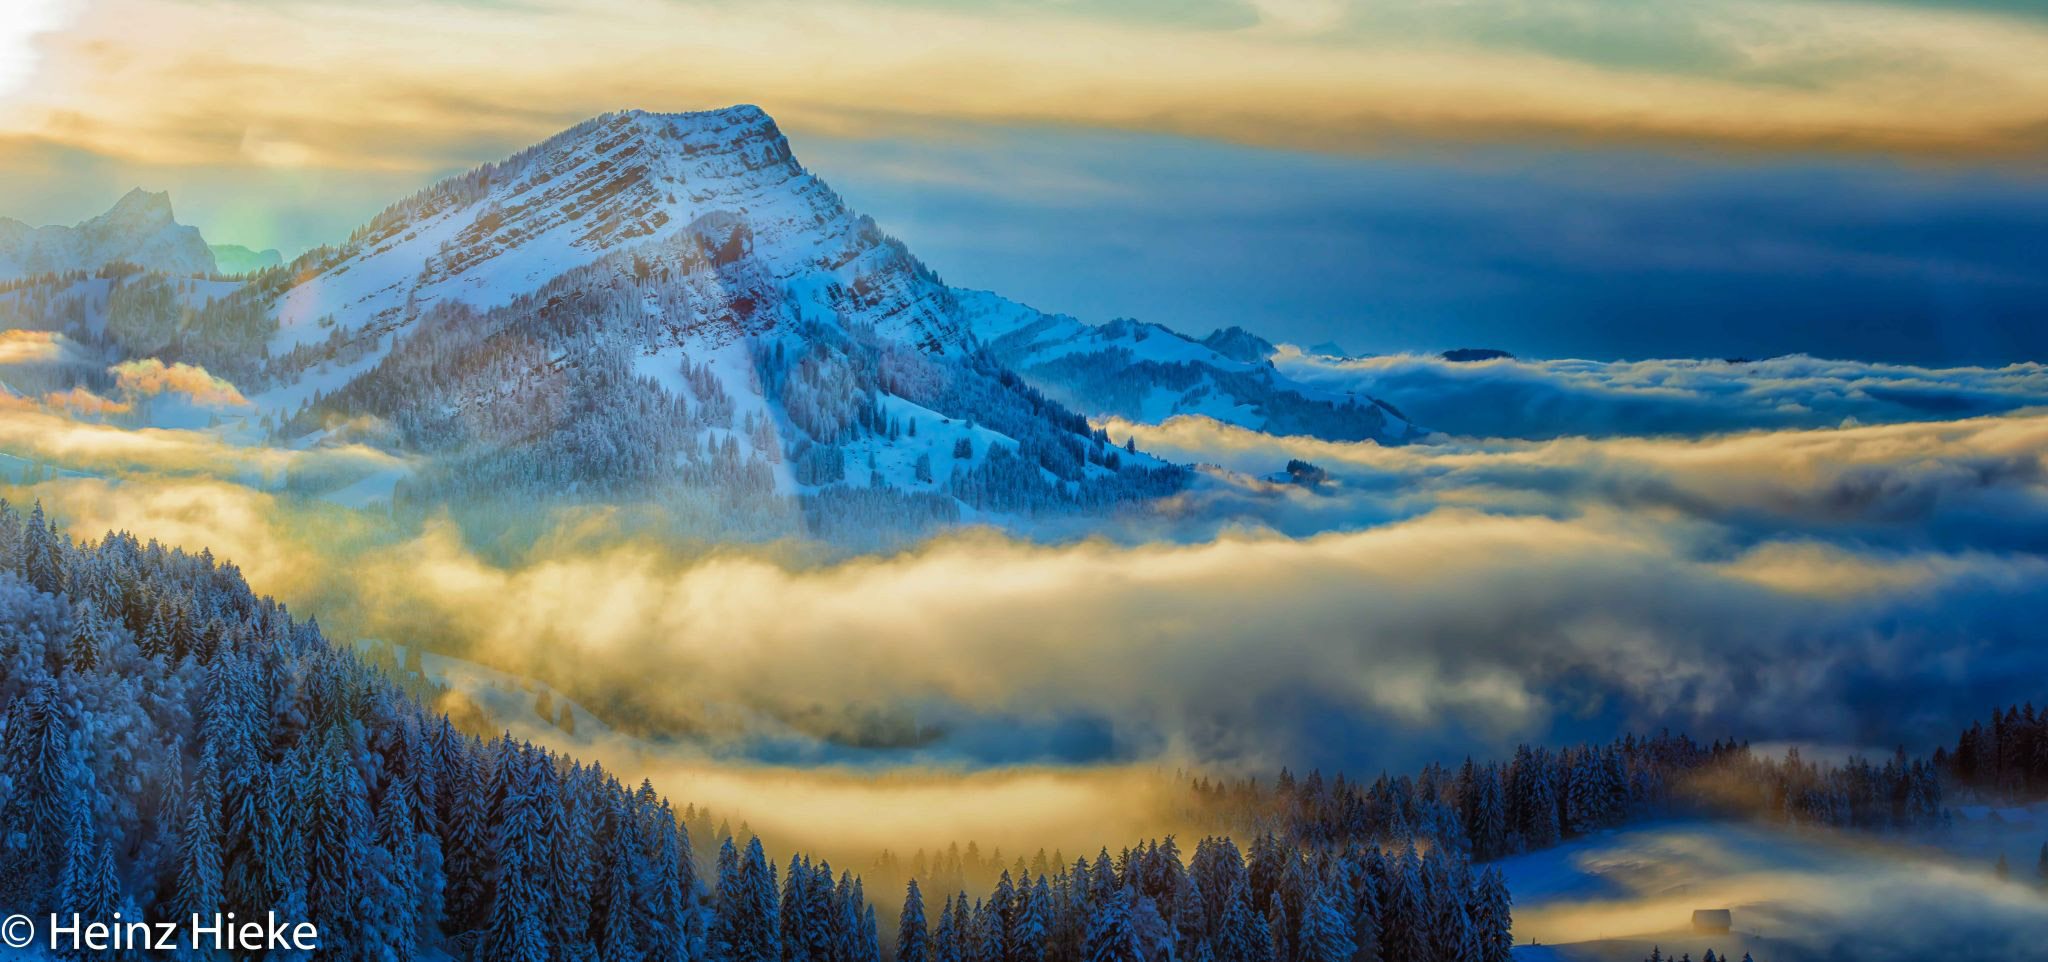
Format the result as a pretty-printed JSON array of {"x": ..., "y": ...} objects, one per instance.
[{"x": 1551, "y": 253}]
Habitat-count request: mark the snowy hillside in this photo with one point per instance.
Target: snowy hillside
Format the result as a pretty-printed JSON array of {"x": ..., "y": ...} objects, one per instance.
[
  {"x": 683, "y": 372},
  {"x": 140, "y": 230},
  {"x": 117, "y": 313}
]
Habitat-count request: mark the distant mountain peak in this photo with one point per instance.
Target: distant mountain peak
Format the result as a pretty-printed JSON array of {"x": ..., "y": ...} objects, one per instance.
[
  {"x": 140, "y": 206},
  {"x": 237, "y": 259},
  {"x": 1473, "y": 355},
  {"x": 1239, "y": 344},
  {"x": 139, "y": 229}
]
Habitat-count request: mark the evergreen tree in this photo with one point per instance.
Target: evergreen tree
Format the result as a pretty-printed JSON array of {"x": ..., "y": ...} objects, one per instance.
[
  {"x": 87, "y": 885},
  {"x": 48, "y": 785},
  {"x": 1493, "y": 919},
  {"x": 618, "y": 938},
  {"x": 730, "y": 908},
  {"x": 668, "y": 887},
  {"x": 1451, "y": 933},
  {"x": 84, "y": 650},
  {"x": 402, "y": 894},
  {"x": 757, "y": 938},
  {"x": 1323, "y": 935},
  {"x": 946, "y": 937},
  {"x": 1033, "y": 926},
  {"x": 466, "y": 820},
  {"x": 911, "y": 940},
  {"x": 199, "y": 865},
  {"x": 1405, "y": 929},
  {"x": 1110, "y": 935},
  {"x": 518, "y": 930},
  {"x": 870, "y": 938}
]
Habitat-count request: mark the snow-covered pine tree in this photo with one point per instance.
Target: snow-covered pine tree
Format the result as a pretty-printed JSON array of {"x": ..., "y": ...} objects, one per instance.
[
  {"x": 946, "y": 936},
  {"x": 518, "y": 930},
  {"x": 912, "y": 941},
  {"x": 1324, "y": 935},
  {"x": 1111, "y": 937},
  {"x": 200, "y": 883}
]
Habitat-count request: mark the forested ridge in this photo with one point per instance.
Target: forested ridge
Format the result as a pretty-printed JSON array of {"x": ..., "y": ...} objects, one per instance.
[{"x": 176, "y": 744}]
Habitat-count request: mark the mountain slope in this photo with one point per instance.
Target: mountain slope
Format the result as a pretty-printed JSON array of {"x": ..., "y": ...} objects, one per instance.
[
  {"x": 140, "y": 229},
  {"x": 668, "y": 308},
  {"x": 500, "y": 231}
]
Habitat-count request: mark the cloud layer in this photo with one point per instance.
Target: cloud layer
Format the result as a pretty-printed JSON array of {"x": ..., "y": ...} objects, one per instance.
[
  {"x": 1539, "y": 399},
  {"x": 1860, "y": 586},
  {"x": 253, "y": 84},
  {"x": 1042, "y": 692}
]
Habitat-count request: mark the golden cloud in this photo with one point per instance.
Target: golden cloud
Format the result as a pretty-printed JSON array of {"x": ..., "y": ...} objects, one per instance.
[
  {"x": 1467, "y": 617},
  {"x": 78, "y": 400},
  {"x": 235, "y": 523},
  {"x": 50, "y": 437},
  {"x": 245, "y": 84},
  {"x": 28, "y": 347},
  {"x": 149, "y": 377}
]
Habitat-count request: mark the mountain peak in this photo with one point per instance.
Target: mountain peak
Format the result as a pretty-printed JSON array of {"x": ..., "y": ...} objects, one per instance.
[
  {"x": 737, "y": 114},
  {"x": 621, "y": 178},
  {"x": 138, "y": 229},
  {"x": 138, "y": 199},
  {"x": 721, "y": 129},
  {"x": 1239, "y": 344},
  {"x": 140, "y": 207}
]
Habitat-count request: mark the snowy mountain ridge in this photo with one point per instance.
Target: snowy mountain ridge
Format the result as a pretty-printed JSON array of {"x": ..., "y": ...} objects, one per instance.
[
  {"x": 502, "y": 230},
  {"x": 669, "y": 308},
  {"x": 631, "y": 178},
  {"x": 139, "y": 229}
]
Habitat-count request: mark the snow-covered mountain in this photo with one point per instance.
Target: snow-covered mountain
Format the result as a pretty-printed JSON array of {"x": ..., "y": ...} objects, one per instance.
[
  {"x": 1150, "y": 372},
  {"x": 630, "y": 178},
  {"x": 140, "y": 229},
  {"x": 500, "y": 231},
  {"x": 670, "y": 307}
]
